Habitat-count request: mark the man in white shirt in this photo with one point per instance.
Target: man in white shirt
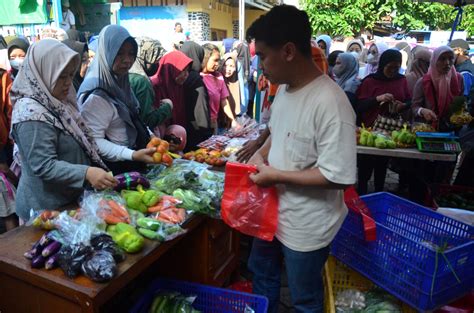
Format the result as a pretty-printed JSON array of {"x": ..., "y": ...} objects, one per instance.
[
  {"x": 68, "y": 22},
  {"x": 311, "y": 157}
]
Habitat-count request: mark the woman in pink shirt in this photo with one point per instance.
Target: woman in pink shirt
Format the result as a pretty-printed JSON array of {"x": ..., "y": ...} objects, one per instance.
[{"x": 215, "y": 84}]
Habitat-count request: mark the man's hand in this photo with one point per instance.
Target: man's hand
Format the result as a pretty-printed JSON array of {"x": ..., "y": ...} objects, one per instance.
[
  {"x": 266, "y": 176},
  {"x": 248, "y": 150}
]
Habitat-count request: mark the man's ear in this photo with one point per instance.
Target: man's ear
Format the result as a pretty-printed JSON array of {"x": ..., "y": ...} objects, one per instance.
[{"x": 289, "y": 51}]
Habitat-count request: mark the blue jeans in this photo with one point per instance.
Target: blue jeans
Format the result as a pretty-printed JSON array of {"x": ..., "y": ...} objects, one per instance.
[{"x": 303, "y": 270}]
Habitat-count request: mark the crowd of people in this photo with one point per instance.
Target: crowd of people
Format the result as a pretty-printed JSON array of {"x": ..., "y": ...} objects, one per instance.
[{"x": 77, "y": 110}]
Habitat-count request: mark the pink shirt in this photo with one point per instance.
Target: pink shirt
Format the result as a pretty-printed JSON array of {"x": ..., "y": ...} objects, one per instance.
[{"x": 217, "y": 91}]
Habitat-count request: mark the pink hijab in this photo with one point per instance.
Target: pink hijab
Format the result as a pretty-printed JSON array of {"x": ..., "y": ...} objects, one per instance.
[
  {"x": 179, "y": 132},
  {"x": 446, "y": 86}
]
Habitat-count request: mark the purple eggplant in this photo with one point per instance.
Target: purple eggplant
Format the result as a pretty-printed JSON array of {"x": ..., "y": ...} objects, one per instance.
[
  {"x": 38, "y": 261},
  {"x": 52, "y": 262},
  {"x": 34, "y": 251},
  {"x": 45, "y": 240},
  {"x": 53, "y": 247},
  {"x": 131, "y": 180}
]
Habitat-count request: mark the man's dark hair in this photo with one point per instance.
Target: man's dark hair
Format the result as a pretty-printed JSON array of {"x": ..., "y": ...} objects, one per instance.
[
  {"x": 283, "y": 24},
  {"x": 176, "y": 24}
]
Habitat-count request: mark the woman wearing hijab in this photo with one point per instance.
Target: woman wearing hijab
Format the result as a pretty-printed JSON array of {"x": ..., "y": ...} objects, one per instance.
[
  {"x": 196, "y": 98},
  {"x": 149, "y": 54},
  {"x": 168, "y": 84},
  {"x": 346, "y": 72},
  {"x": 83, "y": 51},
  {"x": 332, "y": 61},
  {"x": 243, "y": 72},
  {"x": 109, "y": 106},
  {"x": 229, "y": 71},
  {"x": 374, "y": 95},
  {"x": 17, "y": 49},
  {"x": 357, "y": 48},
  {"x": 417, "y": 66},
  {"x": 405, "y": 50},
  {"x": 436, "y": 90},
  {"x": 215, "y": 85},
  {"x": 58, "y": 151},
  {"x": 324, "y": 42},
  {"x": 373, "y": 57}
]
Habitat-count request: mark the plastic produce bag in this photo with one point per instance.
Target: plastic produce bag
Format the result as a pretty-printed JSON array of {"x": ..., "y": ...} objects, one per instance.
[
  {"x": 106, "y": 243},
  {"x": 250, "y": 209},
  {"x": 100, "y": 267},
  {"x": 71, "y": 257}
]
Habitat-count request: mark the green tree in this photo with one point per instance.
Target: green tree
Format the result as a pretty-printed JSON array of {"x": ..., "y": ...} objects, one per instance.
[
  {"x": 348, "y": 18},
  {"x": 340, "y": 17}
]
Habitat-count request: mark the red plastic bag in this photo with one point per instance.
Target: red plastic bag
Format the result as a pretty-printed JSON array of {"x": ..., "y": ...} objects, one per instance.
[
  {"x": 246, "y": 207},
  {"x": 355, "y": 203}
]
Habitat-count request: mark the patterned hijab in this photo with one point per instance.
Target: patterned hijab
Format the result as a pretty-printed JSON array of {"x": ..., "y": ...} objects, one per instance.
[
  {"x": 44, "y": 63},
  {"x": 150, "y": 51}
]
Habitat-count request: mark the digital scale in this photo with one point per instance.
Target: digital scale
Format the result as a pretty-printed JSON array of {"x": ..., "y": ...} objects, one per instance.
[{"x": 437, "y": 142}]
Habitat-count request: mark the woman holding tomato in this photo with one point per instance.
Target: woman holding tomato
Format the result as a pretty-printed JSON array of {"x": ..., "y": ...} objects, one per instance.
[{"x": 109, "y": 106}]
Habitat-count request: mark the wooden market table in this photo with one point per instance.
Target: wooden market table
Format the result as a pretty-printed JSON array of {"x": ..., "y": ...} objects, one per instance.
[
  {"x": 407, "y": 153},
  {"x": 215, "y": 257}
]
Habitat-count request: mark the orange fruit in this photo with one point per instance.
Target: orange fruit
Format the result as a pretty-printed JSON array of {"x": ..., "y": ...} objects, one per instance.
[
  {"x": 155, "y": 141},
  {"x": 161, "y": 149},
  {"x": 165, "y": 144},
  {"x": 157, "y": 157}
]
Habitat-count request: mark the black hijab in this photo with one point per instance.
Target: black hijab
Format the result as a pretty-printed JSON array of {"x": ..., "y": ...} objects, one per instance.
[
  {"x": 194, "y": 52},
  {"x": 195, "y": 93},
  {"x": 390, "y": 55},
  {"x": 243, "y": 56},
  {"x": 18, "y": 43}
]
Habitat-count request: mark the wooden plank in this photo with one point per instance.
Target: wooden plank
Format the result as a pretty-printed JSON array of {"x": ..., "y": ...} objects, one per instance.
[{"x": 407, "y": 153}]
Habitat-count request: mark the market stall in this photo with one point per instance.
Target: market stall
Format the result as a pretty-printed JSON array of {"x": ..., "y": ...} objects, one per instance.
[
  {"x": 166, "y": 221},
  {"x": 409, "y": 153}
]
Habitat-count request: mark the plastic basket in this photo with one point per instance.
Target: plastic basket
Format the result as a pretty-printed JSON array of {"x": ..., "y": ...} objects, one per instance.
[
  {"x": 404, "y": 259},
  {"x": 436, "y": 190},
  {"x": 338, "y": 277},
  {"x": 208, "y": 300}
]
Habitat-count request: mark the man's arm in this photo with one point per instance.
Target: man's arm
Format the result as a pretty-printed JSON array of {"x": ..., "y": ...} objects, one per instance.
[
  {"x": 261, "y": 156},
  {"x": 251, "y": 146},
  {"x": 268, "y": 176}
]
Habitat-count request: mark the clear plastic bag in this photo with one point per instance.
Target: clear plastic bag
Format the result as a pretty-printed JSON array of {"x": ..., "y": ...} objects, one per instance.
[
  {"x": 250, "y": 209},
  {"x": 100, "y": 266}
]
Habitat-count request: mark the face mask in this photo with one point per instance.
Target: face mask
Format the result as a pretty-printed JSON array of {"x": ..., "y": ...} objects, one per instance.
[
  {"x": 15, "y": 63},
  {"x": 371, "y": 59},
  {"x": 338, "y": 70},
  {"x": 356, "y": 55},
  {"x": 152, "y": 69}
]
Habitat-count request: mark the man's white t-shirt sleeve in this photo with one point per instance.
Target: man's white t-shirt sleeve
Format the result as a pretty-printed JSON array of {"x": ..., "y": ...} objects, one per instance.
[{"x": 337, "y": 153}]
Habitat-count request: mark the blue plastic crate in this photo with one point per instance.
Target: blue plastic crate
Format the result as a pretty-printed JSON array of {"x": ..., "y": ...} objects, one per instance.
[
  {"x": 405, "y": 259},
  {"x": 208, "y": 300}
]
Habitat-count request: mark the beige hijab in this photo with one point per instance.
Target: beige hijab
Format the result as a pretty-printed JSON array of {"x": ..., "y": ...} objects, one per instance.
[{"x": 38, "y": 75}]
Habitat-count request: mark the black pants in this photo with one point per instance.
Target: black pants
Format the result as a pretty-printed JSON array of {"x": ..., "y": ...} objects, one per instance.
[{"x": 368, "y": 164}]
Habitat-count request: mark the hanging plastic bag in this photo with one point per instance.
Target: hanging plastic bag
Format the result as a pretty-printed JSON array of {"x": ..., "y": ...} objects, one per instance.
[{"x": 248, "y": 208}]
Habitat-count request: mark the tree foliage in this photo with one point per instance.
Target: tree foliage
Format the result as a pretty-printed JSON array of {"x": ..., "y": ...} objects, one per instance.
[{"x": 351, "y": 17}]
